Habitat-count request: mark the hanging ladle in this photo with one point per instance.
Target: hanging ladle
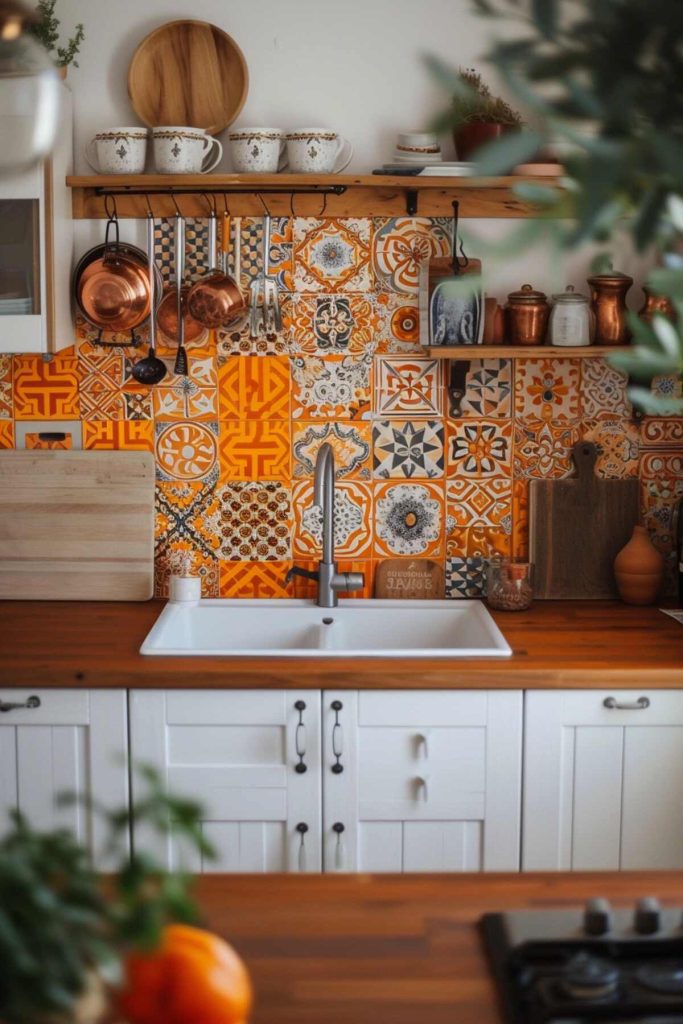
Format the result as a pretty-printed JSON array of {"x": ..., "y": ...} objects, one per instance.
[
  {"x": 150, "y": 370},
  {"x": 180, "y": 367}
]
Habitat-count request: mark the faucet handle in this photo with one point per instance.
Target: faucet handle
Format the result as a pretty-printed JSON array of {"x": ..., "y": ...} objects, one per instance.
[
  {"x": 306, "y": 574},
  {"x": 348, "y": 581}
]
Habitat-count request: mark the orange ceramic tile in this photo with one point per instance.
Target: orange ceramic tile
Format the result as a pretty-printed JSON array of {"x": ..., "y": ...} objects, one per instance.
[
  {"x": 41, "y": 441},
  {"x": 6, "y": 399},
  {"x": 255, "y": 579},
  {"x": 308, "y": 589},
  {"x": 547, "y": 390},
  {"x": 352, "y": 520},
  {"x": 480, "y": 503},
  {"x": 254, "y": 450},
  {"x": 478, "y": 542},
  {"x": 46, "y": 390},
  {"x": 544, "y": 449},
  {"x": 332, "y": 255},
  {"x": 188, "y": 510},
  {"x": 6, "y": 434},
  {"x": 113, "y": 434},
  {"x": 124, "y": 404},
  {"x": 400, "y": 323},
  {"x": 618, "y": 444},
  {"x": 331, "y": 388},
  {"x": 332, "y": 323},
  {"x": 409, "y": 519},
  {"x": 182, "y": 557},
  {"x": 351, "y": 444},
  {"x": 186, "y": 450},
  {"x": 251, "y": 387},
  {"x": 99, "y": 369},
  {"x": 479, "y": 448},
  {"x": 520, "y": 519}
]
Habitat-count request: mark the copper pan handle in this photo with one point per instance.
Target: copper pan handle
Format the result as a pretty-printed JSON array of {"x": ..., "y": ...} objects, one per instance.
[
  {"x": 213, "y": 233},
  {"x": 152, "y": 282},
  {"x": 225, "y": 240}
]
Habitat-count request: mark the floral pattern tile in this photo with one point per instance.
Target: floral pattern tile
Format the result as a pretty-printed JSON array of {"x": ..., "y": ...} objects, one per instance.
[
  {"x": 332, "y": 255},
  {"x": 254, "y": 450},
  {"x": 544, "y": 450},
  {"x": 186, "y": 450},
  {"x": 254, "y": 388},
  {"x": 408, "y": 449},
  {"x": 399, "y": 317},
  {"x": 351, "y": 444},
  {"x": 331, "y": 388},
  {"x": 466, "y": 577},
  {"x": 320, "y": 324},
  {"x": 547, "y": 390},
  {"x": 669, "y": 386},
  {"x": 488, "y": 385},
  {"x": 408, "y": 387},
  {"x": 352, "y": 520},
  {"x": 409, "y": 519},
  {"x": 603, "y": 390},
  {"x": 255, "y": 521},
  {"x": 480, "y": 448},
  {"x": 255, "y": 579},
  {"x": 189, "y": 513},
  {"x": 402, "y": 244},
  {"x": 618, "y": 444}
]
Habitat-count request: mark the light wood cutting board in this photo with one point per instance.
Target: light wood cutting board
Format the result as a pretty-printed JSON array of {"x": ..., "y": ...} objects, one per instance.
[
  {"x": 76, "y": 525},
  {"x": 576, "y": 529}
]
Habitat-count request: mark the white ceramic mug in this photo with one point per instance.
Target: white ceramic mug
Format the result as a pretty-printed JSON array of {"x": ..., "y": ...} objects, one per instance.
[
  {"x": 184, "y": 150},
  {"x": 317, "y": 151},
  {"x": 258, "y": 150},
  {"x": 118, "y": 151}
]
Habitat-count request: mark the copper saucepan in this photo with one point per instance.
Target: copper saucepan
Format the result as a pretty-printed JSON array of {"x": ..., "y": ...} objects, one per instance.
[
  {"x": 216, "y": 299},
  {"x": 111, "y": 285},
  {"x": 168, "y": 309}
]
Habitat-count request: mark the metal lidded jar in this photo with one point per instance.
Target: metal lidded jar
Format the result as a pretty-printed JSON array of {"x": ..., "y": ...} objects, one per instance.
[
  {"x": 526, "y": 315},
  {"x": 572, "y": 322}
]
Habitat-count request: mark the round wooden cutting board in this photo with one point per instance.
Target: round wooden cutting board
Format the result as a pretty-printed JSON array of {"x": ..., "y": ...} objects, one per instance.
[{"x": 188, "y": 73}]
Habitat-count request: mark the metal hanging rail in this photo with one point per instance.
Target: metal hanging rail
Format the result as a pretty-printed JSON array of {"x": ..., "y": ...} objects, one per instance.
[{"x": 157, "y": 190}]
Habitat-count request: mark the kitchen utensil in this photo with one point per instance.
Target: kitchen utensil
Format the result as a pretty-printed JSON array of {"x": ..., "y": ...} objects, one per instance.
[
  {"x": 188, "y": 72},
  {"x": 174, "y": 301},
  {"x": 258, "y": 150},
  {"x": 150, "y": 370},
  {"x": 526, "y": 314},
  {"x": 571, "y": 319},
  {"x": 257, "y": 304},
  {"x": 182, "y": 150},
  {"x": 608, "y": 302},
  {"x": 118, "y": 151},
  {"x": 76, "y": 525},
  {"x": 237, "y": 321},
  {"x": 576, "y": 528},
  {"x": 271, "y": 303},
  {"x": 216, "y": 298},
  {"x": 180, "y": 367},
  {"x": 410, "y": 579},
  {"x": 112, "y": 290},
  {"x": 317, "y": 151}
]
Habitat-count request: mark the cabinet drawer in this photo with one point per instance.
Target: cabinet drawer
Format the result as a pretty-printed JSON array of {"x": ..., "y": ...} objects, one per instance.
[
  {"x": 57, "y": 707},
  {"x": 616, "y": 707}
]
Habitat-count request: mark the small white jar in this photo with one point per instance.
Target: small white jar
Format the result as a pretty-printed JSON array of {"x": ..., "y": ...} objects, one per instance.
[{"x": 571, "y": 323}]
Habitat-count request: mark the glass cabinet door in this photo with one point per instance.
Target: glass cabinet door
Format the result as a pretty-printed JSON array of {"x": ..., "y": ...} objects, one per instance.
[{"x": 20, "y": 257}]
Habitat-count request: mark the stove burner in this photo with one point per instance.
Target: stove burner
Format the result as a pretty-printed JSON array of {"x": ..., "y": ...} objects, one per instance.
[
  {"x": 588, "y": 977},
  {"x": 665, "y": 978}
]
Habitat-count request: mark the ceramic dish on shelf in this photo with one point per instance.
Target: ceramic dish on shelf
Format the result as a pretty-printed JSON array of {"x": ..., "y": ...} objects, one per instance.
[{"x": 448, "y": 170}]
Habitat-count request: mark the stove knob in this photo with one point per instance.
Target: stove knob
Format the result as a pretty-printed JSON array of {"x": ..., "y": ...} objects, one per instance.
[
  {"x": 597, "y": 917},
  {"x": 648, "y": 916}
]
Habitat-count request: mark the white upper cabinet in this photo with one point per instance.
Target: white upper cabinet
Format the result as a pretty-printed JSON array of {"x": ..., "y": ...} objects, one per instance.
[
  {"x": 36, "y": 249},
  {"x": 422, "y": 780},
  {"x": 251, "y": 757},
  {"x": 603, "y": 780},
  {"x": 63, "y": 741}
]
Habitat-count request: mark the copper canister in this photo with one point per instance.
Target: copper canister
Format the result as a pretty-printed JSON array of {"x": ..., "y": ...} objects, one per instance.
[
  {"x": 608, "y": 302},
  {"x": 526, "y": 315},
  {"x": 656, "y": 305}
]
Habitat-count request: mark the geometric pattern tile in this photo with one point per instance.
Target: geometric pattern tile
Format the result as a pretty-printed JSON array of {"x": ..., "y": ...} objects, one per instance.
[
  {"x": 129, "y": 435},
  {"x": 332, "y": 255},
  {"x": 123, "y": 404},
  {"x": 350, "y": 442},
  {"x": 331, "y": 388},
  {"x": 407, "y": 450},
  {"x": 255, "y": 579},
  {"x": 603, "y": 390},
  {"x": 332, "y": 323},
  {"x": 46, "y": 390},
  {"x": 253, "y": 388},
  {"x": 185, "y": 401},
  {"x": 255, "y": 521},
  {"x": 399, "y": 330},
  {"x": 6, "y": 434},
  {"x": 352, "y": 519},
  {"x": 544, "y": 450},
  {"x": 466, "y": 577},
  {"x": 408, "y": 387},
  {"x": 547, "y": 390},
  {"x": 480, "y": 448},
  {"x": 661, "y": 465},
  {"x": 187, "y": 512},
  {"x": 488, "y": 388},
  {"x": 254, "y": 450},
  {"x": 6, "y": 399},
  {"x": 409, "y": 519},
  {"x": 479, "y": 503},
  {"x": 402, "y": 244},
  {"x": 186, "y": 450},
  {"x": 45, "y": 442},
  {"x": 618, "y": 445},
  {"x": 99, "y": 369}
]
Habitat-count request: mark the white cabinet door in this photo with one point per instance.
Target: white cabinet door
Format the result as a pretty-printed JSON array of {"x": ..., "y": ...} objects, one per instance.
[
  {"x": 235, "y": 752},
  {"x": 70, "y": 741},
  {"x": 603, "y": 784},
  {"x": 422, "y": 780}
]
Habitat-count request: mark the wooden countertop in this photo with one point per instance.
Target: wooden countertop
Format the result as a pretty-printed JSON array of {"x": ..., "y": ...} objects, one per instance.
[
  {"x": 361, "y": 949},
  {"x": 556, "y": 644}
]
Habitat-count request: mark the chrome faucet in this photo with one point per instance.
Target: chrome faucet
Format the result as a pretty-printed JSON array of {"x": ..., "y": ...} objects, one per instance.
[{"x": 330, "y": 582}]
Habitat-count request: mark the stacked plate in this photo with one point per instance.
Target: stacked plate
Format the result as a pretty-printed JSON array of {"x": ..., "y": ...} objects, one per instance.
[
  {"x": 16, "y": 307},
  {"x": 456, "y": 169},
  {"x": 417, "y": 149}
]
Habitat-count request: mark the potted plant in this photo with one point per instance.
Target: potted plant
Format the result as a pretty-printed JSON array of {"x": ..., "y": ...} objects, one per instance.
[
  {"x": 46, "y": 31},
  {"x": 478, "y": 116}
]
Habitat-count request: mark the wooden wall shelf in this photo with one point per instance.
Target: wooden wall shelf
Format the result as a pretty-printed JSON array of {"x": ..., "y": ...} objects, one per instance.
[
  {"x": 467, "y": 352},
  {"x": 367, "y": 195}
]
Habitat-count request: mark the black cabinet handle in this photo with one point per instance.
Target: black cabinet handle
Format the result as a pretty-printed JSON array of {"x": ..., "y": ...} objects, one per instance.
[
  {"x": 31, "y": 702},
  {"x": 337, "y": 738},
  {"x": 300, "y": 739}
]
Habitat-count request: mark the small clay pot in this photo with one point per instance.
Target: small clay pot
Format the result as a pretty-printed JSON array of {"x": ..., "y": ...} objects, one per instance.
[
  {"x": 470, "y": 137},
  {"x": 639, "y": 569}
]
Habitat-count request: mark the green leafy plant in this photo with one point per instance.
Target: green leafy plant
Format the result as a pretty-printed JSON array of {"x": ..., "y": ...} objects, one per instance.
[
  {"x": 46, "y": 31},
  {"x": 474, "y": 101},
  {"x": 60, "y": 926}
]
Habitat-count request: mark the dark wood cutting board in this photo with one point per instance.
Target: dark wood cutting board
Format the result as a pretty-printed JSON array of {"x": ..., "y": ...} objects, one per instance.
[{"x": 577, "y": 527}]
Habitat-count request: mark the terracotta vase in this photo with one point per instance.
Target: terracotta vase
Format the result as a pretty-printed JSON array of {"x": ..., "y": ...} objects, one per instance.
[
  {"x": 639, "y": 569},
  {"x": 468, "y": 138}
]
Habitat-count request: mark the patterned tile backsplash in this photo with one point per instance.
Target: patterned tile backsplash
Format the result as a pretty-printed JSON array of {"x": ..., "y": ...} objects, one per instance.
[{"x": 236, "y": 440}]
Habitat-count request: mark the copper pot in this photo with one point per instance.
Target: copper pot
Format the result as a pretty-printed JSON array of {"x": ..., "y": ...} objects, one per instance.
[
  {"x": 167, "y": 316},
  {"x": 216, "y": 299},
  {"x": 111, "y": 285},
  {"x": 608, "y": 302},
  {"x": 526, "y": 315}
]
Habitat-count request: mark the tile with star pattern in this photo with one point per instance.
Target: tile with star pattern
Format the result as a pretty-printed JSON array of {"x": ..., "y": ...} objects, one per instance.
[{"x": 408, "y": 449}]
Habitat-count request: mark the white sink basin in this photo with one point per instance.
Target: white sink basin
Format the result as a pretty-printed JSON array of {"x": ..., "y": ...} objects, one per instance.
[{"x": 357, "y": 628}]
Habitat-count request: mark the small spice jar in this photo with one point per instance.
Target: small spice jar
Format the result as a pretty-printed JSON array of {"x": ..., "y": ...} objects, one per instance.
[
  {"x": 526, "y": 315},
  {"x": 571, "y": 319},
  {"x": 509, "y": 585}
]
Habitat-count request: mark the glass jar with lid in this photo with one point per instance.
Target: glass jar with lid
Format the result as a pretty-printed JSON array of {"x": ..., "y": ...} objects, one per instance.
[{"x": 572, "y": 322}]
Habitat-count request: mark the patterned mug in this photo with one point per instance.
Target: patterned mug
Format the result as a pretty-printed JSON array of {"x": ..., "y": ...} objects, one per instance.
[
  {"x": 118, "y": 151},
  {"x": 317, "y": 151},
  {"x": 257, "y": 150},
  {"x": 184, "y": 150}
]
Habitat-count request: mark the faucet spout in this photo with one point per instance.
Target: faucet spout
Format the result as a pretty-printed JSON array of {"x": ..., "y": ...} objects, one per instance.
[{"x": 323, "y": 495}]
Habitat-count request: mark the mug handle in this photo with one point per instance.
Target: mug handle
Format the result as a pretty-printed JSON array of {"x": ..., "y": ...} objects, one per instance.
[
  {"x": 92, "y": 159},
  {"x": 283, "y": 158},
  {"x": 344, "y": 155},
  {"x": 208, "y": 164}
]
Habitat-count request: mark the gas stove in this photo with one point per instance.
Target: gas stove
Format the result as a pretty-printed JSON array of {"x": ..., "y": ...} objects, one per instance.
[{"x": 595, "y": 964}]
